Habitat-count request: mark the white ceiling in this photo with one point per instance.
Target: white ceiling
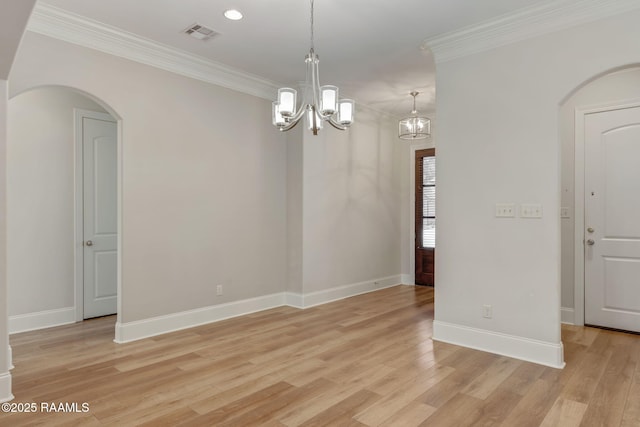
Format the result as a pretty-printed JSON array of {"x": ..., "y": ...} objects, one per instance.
[{"x": 370, "y": 49}]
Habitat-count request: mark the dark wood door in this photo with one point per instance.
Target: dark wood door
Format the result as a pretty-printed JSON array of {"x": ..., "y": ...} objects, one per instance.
[{"x": 425, "y": 238}]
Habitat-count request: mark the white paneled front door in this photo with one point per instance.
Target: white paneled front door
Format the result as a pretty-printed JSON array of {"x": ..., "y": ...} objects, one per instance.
[
  {"x": 612, "y": 219},
  {"x": 99, "y": 152}
]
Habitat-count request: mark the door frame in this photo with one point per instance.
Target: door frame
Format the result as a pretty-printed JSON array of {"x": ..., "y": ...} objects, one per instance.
[
  {"x": 78, "y": 218},
  {"x": 412, "y": 205},
  {"x": 579, "y": 202}
]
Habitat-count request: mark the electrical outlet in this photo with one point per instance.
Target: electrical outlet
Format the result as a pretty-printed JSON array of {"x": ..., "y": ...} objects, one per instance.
[
  {"x": 219, "y": 290},
  {"x": 564, "y": 213},
  {"x": 487, "y": 311},
  {"x": 505, "y": 210}
]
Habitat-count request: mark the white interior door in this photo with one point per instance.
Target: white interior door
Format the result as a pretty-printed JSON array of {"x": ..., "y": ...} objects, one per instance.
[
  {"x": 612, "y": 219},
  {"x": 99, "y": 153}
]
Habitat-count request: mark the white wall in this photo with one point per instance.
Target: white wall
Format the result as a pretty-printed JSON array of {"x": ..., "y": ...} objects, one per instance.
[
  {"x": 40, "y": 199},
  {"x": 5, "y": 376},
  {"x": 616, "y": 87},
  {"x": 498, "y": 130},
  {"x": 344, "y": 223},
  {"x": 12, "y": 23},
  {"x": 214, "y": 195},
  {"x": 351, "y": 199},
  {"x": 295, "y": 188},
  {"x": 203, "y": 175}
]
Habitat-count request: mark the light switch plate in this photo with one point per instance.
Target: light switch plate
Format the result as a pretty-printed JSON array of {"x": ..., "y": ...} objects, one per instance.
[
  {"x": 531, "y": 211},
  {"x": 505, "y": 210}
]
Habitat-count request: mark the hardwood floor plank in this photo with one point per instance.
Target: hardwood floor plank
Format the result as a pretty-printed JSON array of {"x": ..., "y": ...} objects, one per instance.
[
  {"x": 466, "y": 370},
  {"x": 485, "y": 383},
  {"x": 534, "y": 406},
  {"x": 523, "y": 378},
  {"x": 573, "y": 356},
  {"x": 565, "y": 413},
  {"x": 405, "y": 393},
  {"x": 579, "y": 335},
  {"x": 411, "y": 415},
  {"x": 345, "y": 409},
  {"x": 631, "y": 416},
  {"x": 581, "y": 387},
  {"x": 299, "y": 415},
  {"x": 607, "y": 404},
  {"x": 169, "y": 419},
  {"x": 458, "y": 411},
  {"x": 497, "y": 408},
  {"x": 275, "y": 407},
  {"x": 238, "y": 407},
  {"x": 366, "y": 360},
  {"x": 222, "y": 398}
]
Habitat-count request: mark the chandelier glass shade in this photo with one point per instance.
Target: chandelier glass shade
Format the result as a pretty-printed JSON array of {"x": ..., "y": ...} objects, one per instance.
[
  {"x": 414, "y": 126},
  {"x": 319, "y": 103}
]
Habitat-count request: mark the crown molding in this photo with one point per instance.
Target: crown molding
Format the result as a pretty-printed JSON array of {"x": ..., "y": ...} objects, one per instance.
[
  {"x": 527, "y": 23},
  {"x": 72, "y": 28}
]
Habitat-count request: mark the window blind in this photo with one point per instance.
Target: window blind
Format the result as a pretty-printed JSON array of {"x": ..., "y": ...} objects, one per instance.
[{"x": 428, "y": 202}]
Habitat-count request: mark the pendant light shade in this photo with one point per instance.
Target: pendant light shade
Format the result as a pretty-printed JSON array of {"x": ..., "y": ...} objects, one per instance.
[
  {"x": 287, "y": 98},
  {"x": 345, "y": 111},
  {"x": 414, "y": 126}
]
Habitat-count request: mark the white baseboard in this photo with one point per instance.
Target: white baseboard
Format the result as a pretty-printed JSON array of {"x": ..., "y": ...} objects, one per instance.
[
  {"x": 328, "y": 295},
  {"x": 41, "y": 320},
  {"x": 132, "y": 331},
  {"x": 540, "y": 352},
  {"x": 5, "y": 387},
  {"x": 293, "y": 299},
  {"x": 567, "y": 316},
  {"x": 405, "y": 279}
]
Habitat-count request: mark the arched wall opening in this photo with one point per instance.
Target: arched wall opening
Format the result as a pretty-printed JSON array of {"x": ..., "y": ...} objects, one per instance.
[
  {"x": 619, "y": 86},
  {"x": 44, "y": 189}
]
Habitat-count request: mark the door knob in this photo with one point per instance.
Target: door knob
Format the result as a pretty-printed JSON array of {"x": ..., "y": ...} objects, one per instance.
[
  {"x": 591, "y": 242},
  {"x": 590, "y": 230},
  {"x": 89, "y": 243}
]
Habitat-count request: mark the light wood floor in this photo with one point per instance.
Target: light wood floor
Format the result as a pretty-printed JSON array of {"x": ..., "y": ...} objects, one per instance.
[{"x": 367, "y": 360}]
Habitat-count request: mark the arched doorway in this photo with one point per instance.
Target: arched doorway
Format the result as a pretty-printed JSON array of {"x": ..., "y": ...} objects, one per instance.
[
  {"x": 46, "y": 251},
  {"x": 613, "y": 90}
]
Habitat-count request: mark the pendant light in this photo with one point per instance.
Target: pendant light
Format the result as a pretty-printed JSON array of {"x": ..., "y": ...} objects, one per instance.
[
  {"x": 319, "y": 104},
  {"x": 414, "y": 127}
]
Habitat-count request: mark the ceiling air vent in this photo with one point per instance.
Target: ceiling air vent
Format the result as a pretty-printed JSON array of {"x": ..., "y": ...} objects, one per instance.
[{"x": 200, "y": 32}]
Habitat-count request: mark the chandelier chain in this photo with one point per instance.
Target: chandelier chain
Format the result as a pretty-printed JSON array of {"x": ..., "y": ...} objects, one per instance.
[
  {"x": 414, "y": 94},
  {"x": 312, "y": 25}
]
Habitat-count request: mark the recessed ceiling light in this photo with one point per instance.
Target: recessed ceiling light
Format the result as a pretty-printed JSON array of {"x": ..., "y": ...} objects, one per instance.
[{"x": 233, "y": 14}]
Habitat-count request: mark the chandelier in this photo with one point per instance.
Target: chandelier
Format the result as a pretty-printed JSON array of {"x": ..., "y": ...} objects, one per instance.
[
  {"x": 414, "y": 127},
  {"x": 319, "y": 103}
]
